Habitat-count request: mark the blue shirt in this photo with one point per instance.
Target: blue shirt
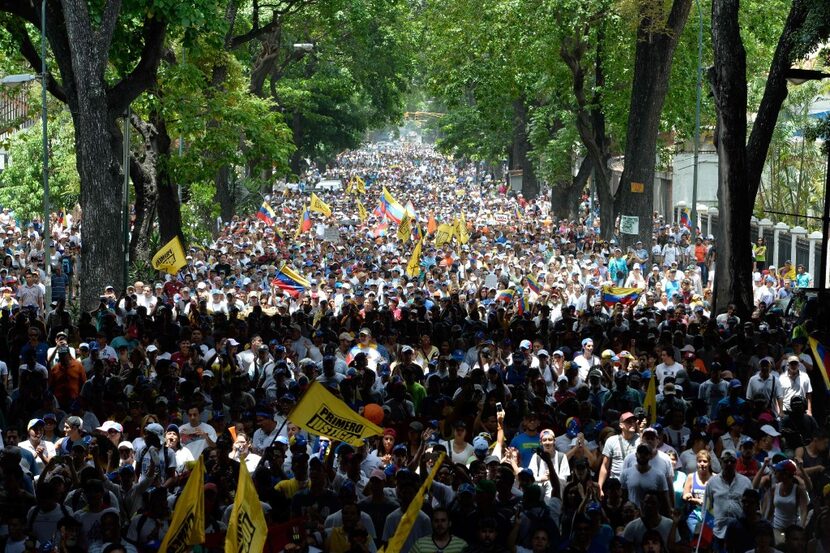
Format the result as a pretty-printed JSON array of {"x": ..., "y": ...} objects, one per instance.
[{"x": 526, "y": 445}]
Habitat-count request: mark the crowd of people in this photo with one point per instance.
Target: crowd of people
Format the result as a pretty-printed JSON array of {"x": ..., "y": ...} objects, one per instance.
[{"x": 536, "y": 398}]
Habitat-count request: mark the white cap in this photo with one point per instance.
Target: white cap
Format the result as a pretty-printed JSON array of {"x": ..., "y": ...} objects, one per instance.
[
  {"x": 126, "y": 443},
  {"x": 770, "y": 431},
  {"x": 525, "y": 344},
  {"x": 151, "y": 348},
  {"x": 542, "y": 352},
  {"x": 111, "y": 425}
]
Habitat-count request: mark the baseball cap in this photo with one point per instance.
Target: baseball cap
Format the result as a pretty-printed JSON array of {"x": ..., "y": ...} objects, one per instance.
[
  {"x": 525, "y": 344},
  {"x": 34, "y": 422},
  {"x": 74, "y": 421},
  {"x": 480, "y": 443},
  {"x": 111, "y": 425},
  {"x": 155, "y": 428},
  {"x": 728, "y": 453},
  {"x": 126, "y": 444},
  {"x": 491, "y": 459},
  {"x": 627, "y": 415},
  {"x": 770, "y": 431},
  {"x": 466, "y": 487},
  {"x": 379, "y": 474},
  {"x": 785, "y": 466}
]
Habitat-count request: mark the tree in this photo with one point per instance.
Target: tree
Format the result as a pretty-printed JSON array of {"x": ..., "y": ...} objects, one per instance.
[
  {"x": 658, "y": 32},
  {"x": 88, "y": 40},
  {"x": 741, "y": 161}
]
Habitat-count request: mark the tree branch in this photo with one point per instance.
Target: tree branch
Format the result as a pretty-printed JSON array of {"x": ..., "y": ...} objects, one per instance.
[
  {"x": 18, "y": 32},
  {"x": 775, "y": 93},
  {"x": 24, "y": 10},
  {"x": 277, "y": 18},
  {"x": 108, "y": 20},
  {"x": 143, "y": 75}
]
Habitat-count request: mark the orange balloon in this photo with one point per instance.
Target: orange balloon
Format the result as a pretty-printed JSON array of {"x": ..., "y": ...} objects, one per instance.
[{"x": 374, "y": 413}]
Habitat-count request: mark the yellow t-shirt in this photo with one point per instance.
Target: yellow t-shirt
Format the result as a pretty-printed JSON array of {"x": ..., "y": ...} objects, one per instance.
[{"x": 290, "y": 487}]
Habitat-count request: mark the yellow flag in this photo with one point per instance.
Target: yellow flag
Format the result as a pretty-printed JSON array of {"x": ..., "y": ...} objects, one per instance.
[
  {"x": 361, "y": 185},
  {"x": 461, "y": 230},
  {"x": 444, "y": 234},
  {"x": 405, "y": 228},
  {"x": 650, "y": 401},
  {"x": 413, "y": 268},
  {"x": 188, "y": 524},
  {"x": 361, "y": 211},
  {"x": 319, "y": 205},
  {"x": 397, "y": 541},
  {"x": 170, "y": 258},
  {"x": 320, "y": 412},
  {"x": 246, "y": 529}
]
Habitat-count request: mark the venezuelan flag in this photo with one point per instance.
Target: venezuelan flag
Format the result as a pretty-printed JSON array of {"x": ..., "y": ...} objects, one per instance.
[
  {"x": 533, "y": 284},
  {"x": 506, "y": 295},
  {"x": 290, "y": 282},
  {"x": 518, "y": 212},
  {"x": 266, "y": 214},
  {"x": 684, "y": 219},
  {"x": 707, "y": 529},
  {"x": 391, "y": 207},
  {"x": 625, "y": 296},
  {"x": 822, "y": 355},
  {"x": 523, "y": 306}
]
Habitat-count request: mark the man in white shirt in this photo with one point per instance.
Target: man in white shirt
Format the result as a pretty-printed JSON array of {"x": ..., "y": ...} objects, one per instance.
[
  {"x": 796, "y": 383},
  {"x": 586, "y": 359},
  {"x": 766, "y": 382},
  {"x": 724, "y": 492},
  {"x": 669, "y": 367},
  {"x": 42, "y": 450},
  {"x": 195, "y": 434}
]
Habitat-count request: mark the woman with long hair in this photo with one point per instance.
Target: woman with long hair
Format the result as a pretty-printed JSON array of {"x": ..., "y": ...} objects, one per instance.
[{"x": 694, "y": 489}]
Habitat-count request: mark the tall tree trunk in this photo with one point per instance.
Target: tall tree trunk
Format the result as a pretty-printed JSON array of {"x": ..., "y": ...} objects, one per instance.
[
  {"x": 224, "y": 194},
  {"x": 521, "y": 149},
  {"x": 146, "y": 196},
  {"x": 565, "y": 196},
  {"x": 656, "y": 42},
  {"x": 590, "y": 120},
  {"x": 741, "y": 161}
]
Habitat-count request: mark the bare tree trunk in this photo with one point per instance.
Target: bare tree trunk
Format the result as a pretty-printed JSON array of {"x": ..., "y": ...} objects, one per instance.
[
  {"x": 741, "y": 161},
  {"x": 565, "y": 196},
  {"x": 521, "y": 148},
  {"x": 652, "y": 70},
  {"x": 590, "y": 119}
]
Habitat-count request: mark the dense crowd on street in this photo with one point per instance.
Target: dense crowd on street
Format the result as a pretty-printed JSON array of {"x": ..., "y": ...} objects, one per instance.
[{"x": 506, "y": 353}]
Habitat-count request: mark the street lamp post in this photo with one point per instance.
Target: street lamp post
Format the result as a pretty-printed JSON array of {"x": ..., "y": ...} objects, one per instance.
[
  {"x": 798, "y": 77},
  {"x": 697, "y": 115}
]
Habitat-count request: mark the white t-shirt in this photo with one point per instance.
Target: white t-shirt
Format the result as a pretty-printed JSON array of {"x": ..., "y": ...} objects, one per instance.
[
  {"x": 196, "y": 444},
  {"x": 797, "y": 386},
  {"x": 44, "y": 524},
  {"x": 664, "y": 370}
]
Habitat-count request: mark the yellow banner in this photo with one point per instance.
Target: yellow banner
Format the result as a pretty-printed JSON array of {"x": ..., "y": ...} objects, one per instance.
[
  {"x": 461, "y": 230},
  {"x": 319, "y": 205},
  {"x": 408, "y": 519},
  {"x": 650, "y": 401},
  {"x": 170, "y": 258},
  {"x": 444, "y": 234},
  {"x": 413, "y": 268},
  {"x": 405, "y": 228},
  {"x": 361, "y": 211},
  {"x": 321, "y": 413},
  {"x": 188, "y": 524},
  {"x": 246, "y": 529}
]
